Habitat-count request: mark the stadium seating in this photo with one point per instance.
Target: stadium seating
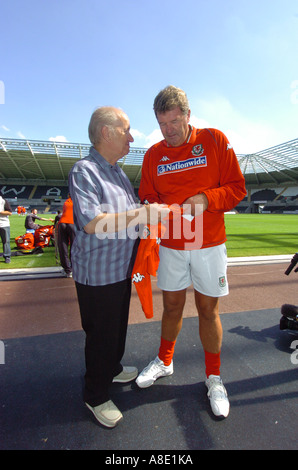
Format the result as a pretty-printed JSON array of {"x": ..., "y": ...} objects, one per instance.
[{"x": 42, "y": 198}]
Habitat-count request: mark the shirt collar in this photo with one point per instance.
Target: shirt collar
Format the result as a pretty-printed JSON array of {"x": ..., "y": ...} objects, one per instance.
[
  {"x": 190, "y": 138},
  {"x": 100, "y": 160}
]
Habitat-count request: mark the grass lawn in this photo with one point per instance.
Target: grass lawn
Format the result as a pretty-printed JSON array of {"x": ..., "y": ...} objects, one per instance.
[
  {"x": 261, "y": 234},
  {"x": 45, "y": 259},
  {"x": 248, "y": 235}
]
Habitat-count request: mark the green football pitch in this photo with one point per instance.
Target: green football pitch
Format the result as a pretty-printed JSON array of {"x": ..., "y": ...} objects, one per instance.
[
  {"x": 248, "y": 235},
  {"x": 261, "y": 234}
]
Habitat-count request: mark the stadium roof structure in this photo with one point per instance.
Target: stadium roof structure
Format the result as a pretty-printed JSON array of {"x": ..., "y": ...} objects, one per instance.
[
  {"x": 276, "y": 166},
  {"x": 46, "y": 162}
]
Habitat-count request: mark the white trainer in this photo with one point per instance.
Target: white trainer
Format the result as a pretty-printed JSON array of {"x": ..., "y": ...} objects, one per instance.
[
  {"x": 152, "y": 372},
  {"x": 218, "y": 396}
]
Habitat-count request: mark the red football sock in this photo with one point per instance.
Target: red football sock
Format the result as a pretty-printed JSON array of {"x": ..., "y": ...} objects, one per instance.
[
  {"x": 166, "y": 351},
  {"x": 212, "y": 363}
]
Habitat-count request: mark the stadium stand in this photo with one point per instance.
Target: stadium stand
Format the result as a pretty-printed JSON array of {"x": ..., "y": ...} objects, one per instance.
[
  {"x": 35, "y": 173},
  {"x": 264, "y": 194},
  {"x": 16, "y": 191}
]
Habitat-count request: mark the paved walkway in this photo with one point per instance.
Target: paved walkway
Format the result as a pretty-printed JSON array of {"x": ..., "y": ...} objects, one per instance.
[{"x": 41, "y": 380}]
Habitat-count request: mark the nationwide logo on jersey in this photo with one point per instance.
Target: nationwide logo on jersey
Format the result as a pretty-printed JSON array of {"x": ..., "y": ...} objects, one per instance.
[
  {"x": 175, "y": 167},
  {"x": 197, "y": 150}
]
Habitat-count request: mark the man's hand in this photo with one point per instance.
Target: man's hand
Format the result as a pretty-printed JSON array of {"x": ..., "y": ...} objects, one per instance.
[
  {"x": 195, "y": 205},
  {"x": 156, "y": 213}
]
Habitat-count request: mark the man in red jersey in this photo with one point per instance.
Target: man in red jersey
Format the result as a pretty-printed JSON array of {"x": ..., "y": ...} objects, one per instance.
[
  {"x": 197, "y": 169},
  {"x": 66, "y": 236}
]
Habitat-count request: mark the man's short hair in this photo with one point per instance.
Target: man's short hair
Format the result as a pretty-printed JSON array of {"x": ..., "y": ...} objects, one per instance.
[
  {"x": 103, "y": 116},
  {"x": 169, "y": 98}
]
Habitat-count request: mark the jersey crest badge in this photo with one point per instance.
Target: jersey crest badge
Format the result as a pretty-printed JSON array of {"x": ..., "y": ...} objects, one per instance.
[{"x": 197, "y": 150}]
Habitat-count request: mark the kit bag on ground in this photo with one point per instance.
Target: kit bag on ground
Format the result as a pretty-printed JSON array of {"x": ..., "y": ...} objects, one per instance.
[
  {"x": 43, "y": 235},
  {"x": 25, "y": 242}
]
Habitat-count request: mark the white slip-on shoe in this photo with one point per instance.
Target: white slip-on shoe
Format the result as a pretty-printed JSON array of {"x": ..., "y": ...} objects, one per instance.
[
  {"x": 107, "y": 413},
  {"x": 128, "y": 374}
]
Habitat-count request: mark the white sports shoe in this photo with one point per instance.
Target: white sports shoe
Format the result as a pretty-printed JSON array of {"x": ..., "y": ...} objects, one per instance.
[
  {"x": 218, "y": 396},
  {"x": 153, "y": 371}
]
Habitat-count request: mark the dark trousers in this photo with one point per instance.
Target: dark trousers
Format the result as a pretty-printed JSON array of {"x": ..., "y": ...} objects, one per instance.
[
  {"x": 66, "y": 236},
  {"x": 5, "y": 238},
  {"x": 104, "y": 315}
]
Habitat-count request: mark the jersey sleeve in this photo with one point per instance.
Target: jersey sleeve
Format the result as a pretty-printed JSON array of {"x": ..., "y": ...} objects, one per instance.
[{"x": 231, "y": 189}]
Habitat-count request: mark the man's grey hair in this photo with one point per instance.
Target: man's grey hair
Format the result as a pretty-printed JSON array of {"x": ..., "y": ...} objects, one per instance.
[
  {"x": 169, "y": 98},
  {"x": 103, "y": 116}
]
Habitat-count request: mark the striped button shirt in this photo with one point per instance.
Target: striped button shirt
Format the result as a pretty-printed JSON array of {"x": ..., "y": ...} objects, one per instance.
[{"x": 97, "y": 187}]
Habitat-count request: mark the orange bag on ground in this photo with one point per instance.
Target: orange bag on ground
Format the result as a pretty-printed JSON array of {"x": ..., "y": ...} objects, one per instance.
[
  {"x": 25, "y": 242},
  {"x": 42, "y": 235}
]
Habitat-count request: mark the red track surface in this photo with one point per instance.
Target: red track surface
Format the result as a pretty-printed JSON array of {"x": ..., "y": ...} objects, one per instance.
[{"x": 46, "y": 306}]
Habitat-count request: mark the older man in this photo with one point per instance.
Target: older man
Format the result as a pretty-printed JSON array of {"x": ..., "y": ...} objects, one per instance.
[{"x": 106, "y": 218}]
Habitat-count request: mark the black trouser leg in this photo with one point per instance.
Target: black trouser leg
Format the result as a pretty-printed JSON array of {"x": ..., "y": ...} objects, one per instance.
[
  {"x": 104, "y": 314},
  {"x": 63, "y": 246}
]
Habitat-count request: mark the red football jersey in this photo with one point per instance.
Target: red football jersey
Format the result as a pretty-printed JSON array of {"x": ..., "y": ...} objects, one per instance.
[
  {"x": 146, "y": 265},
  {"x": 205, "y": 163}
]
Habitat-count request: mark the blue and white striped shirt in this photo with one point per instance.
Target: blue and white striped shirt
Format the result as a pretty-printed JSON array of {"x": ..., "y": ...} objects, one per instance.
[{"x": 96, "y": 187}]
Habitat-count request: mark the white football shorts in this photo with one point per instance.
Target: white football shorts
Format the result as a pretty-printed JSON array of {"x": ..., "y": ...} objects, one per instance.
[{"x": 206, "y": 269}]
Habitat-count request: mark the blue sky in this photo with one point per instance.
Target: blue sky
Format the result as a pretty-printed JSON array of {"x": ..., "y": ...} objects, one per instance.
[{"x": 237, "y": 60}]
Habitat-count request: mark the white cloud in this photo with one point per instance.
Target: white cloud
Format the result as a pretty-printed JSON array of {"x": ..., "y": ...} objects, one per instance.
[
  {"x": 245, "y": 134},
  {"x": 21, "y": 135},
  {"x": 154, "y": 137},
  {"x": 143, "y": 140},
  {"x": 198, "y": 122},
  {"x": 137, "y": 134},
  {"x": 5, "y": 128},
  {"x": 58, "y": 138}
]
